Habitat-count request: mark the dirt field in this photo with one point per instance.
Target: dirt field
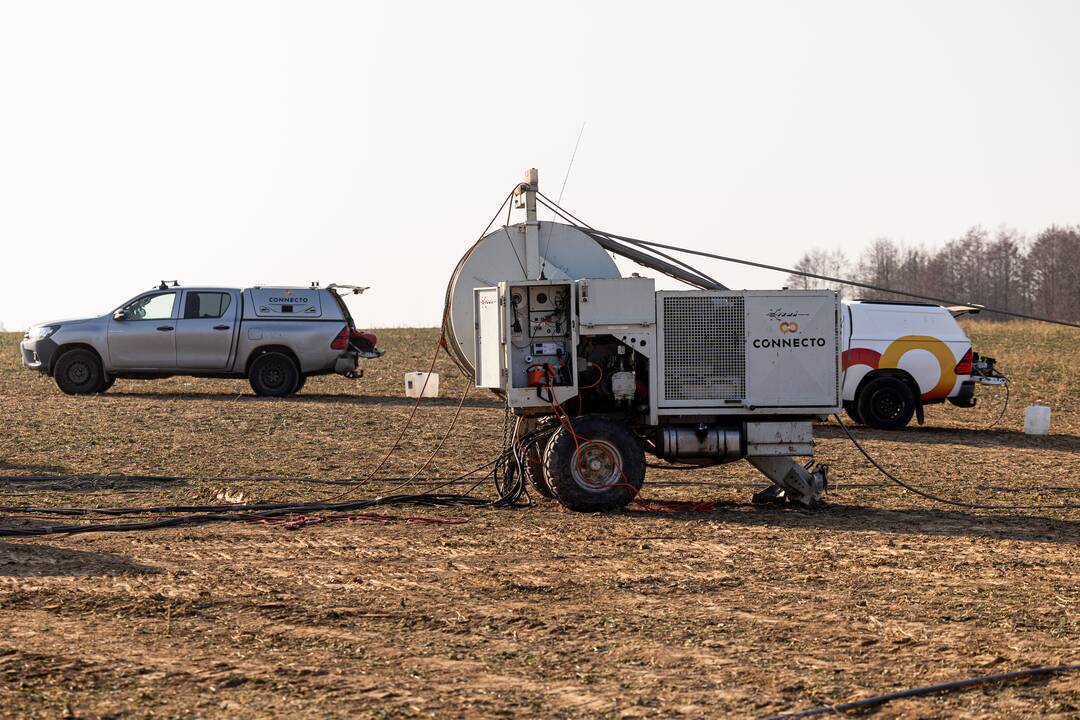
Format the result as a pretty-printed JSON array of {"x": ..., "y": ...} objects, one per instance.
[{"x": 735, "y": 610}]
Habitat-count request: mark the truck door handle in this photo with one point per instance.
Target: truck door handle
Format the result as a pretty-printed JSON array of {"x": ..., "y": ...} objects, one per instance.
[
  {"x": 221, "y": 327},
  {"x": 165, "y": 328}
]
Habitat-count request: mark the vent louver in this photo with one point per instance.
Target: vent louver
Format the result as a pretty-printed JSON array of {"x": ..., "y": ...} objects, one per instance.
[{"x": 704, "y": 347}]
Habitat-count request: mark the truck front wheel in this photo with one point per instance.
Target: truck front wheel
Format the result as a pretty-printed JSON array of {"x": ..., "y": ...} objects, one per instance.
[
  {"x": 886, "y": 403},
  {"x": 273, "y": 374},
  {"x": 78, "y": 372},
  {"x": 598, "y": 465}
]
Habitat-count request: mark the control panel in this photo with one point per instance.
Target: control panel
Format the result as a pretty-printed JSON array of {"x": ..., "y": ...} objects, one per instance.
[
  {"x": 541, "y": 354},
  {"x": 536, "y": 356}
]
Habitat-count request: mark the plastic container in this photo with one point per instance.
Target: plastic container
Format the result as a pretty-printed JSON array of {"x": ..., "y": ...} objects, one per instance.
[
  {"x": 415, "y": 387},
  {"x": 1037, "y": 420}
]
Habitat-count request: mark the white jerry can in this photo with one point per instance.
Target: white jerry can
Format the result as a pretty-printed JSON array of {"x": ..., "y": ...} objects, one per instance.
[
  {"x": 421, "y": 384},
  {"x": 1037, "y": 420}
]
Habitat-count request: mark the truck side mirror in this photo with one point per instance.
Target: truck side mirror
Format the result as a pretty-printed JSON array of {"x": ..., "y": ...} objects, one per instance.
[{"x": 119, "y": 315}]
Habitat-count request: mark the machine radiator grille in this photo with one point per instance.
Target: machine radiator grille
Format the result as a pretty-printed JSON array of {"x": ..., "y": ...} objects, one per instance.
[{"x": 704, "y": 348}]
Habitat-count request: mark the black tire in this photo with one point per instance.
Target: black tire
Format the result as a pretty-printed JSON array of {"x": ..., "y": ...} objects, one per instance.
[
  {"x": 615, "y": 459},
  {"x": 273, "y": 374},
  {"x": 886, "y": 403},
  {"x": 300, "y": 384},
  {"x": 108, "y": 383},
  {"x": 852, "y": 409},
  {"x": 78, "y": 372},
  {"x": 533, "y": 466}
]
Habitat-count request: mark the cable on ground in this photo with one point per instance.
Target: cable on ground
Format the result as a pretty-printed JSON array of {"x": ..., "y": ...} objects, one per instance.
[
  {"x": 938, "y": 498},
  {"x": 404, "y": 429},
  {"x": 939, "y": 688}
]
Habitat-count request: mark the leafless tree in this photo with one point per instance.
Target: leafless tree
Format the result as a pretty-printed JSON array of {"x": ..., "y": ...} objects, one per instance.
[
  {"x": 831, "y": 263},
  {"x": 1002, "y": 270}
]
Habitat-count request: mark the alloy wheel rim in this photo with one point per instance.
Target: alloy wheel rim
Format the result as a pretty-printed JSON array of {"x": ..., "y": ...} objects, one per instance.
[
  {"x": 888, "y": 404},
  {"x": 596, "y": 466}
]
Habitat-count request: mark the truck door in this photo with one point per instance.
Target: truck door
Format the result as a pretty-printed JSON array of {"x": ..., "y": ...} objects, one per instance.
[
  {"x": 206, "y": 328},
  {"x": 142, "y": 334}
]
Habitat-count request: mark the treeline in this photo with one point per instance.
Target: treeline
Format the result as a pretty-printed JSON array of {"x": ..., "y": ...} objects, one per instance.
[{"x": 1005, "y": 270}]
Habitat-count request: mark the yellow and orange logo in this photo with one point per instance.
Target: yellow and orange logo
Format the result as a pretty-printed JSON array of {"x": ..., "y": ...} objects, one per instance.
[{"x": 890, "y": 358}]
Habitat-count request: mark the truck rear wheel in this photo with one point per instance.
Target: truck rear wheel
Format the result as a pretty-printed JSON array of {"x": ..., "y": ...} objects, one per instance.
[
  {"x": 78, "y": 372},
  {"x": 273, "y": 374},
  {"x": 886, "y": 403},
  {"x": 599, "y": 465}
]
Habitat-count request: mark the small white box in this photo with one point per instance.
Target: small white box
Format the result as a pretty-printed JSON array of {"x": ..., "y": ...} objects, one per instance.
[
  {"x": 1037, "y": 420},
  {"x": 421, "y": 384}
]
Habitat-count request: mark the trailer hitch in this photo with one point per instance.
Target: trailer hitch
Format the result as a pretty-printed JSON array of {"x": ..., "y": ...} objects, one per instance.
[{"x": 803, "y": 485}]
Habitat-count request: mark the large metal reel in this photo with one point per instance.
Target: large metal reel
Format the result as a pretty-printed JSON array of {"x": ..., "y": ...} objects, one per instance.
[{"x": 565, "y": 253}]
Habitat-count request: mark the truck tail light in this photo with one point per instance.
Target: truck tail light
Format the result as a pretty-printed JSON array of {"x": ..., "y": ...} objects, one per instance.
[
  {"x": 965, "y": 365},
  {"x": 341, "y": 342}
]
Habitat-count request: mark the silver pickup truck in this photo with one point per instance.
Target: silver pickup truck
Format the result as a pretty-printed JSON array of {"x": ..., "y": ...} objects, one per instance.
[{"x": 276, "y": 337}]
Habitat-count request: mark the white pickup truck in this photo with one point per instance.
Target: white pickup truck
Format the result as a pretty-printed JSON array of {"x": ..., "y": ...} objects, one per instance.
[
  {"x": 274, "y": 336},
  {"x": 900, "y": 356}
]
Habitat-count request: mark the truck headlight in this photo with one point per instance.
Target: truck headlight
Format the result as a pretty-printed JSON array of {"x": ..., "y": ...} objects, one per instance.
[{"x": 40, "y": 332}]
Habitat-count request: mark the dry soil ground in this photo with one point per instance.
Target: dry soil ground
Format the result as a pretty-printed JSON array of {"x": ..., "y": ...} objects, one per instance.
[{"x": 733, "y": 611}]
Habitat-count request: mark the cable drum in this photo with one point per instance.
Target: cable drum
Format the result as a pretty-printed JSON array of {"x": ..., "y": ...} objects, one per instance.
[{"x": 566, "y": 253}]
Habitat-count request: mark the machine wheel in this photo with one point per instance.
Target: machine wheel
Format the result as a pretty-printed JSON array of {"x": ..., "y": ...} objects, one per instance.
[
  {"x": 273, "y": 374},
  {"x": 78, "y": 372},
  {"x": 886, "y": 403},
  {"x": 300, "y": 384},
  {"x": 852, "y": 409},
  {"x": 599, "y": 466},
  {"x": 534, "y": 466}
]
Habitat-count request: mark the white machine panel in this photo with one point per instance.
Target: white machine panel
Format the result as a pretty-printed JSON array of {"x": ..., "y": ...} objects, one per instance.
[
  {"x": 792, "y": 349},
  {"x": 764, "y": 351},
  {"x": 619, "y": 301},
  {"x": 489, "y": 350}
]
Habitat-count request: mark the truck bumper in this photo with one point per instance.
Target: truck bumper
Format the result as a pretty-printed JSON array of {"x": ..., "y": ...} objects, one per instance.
[{"x": 38, "y": 354}]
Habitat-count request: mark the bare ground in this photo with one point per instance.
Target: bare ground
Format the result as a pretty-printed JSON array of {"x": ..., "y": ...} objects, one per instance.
[{"x": 732, "y": 610}]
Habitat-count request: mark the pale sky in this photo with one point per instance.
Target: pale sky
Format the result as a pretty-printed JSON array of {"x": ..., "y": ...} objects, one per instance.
[{"x": 234, "y": 143}]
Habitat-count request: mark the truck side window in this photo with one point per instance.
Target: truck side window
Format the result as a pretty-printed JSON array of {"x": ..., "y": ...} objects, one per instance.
[
  {"x": 150, "y": 307},
  {"x": 202, "y": 305}
]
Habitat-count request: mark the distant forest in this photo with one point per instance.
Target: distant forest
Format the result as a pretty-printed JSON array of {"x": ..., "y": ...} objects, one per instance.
[{"x": 1004, "y": 269}]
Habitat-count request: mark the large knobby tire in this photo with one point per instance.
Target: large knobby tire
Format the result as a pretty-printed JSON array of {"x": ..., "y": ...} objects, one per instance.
[
  {"x": 852, "y": 410},
  {"x": 886, "y": 403},
  {"x": 78, "y": 372},
  {"x": 601, "y": 469},
  {"x": 273, "y": 374},
  {"x": 533, "y": 465}
]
